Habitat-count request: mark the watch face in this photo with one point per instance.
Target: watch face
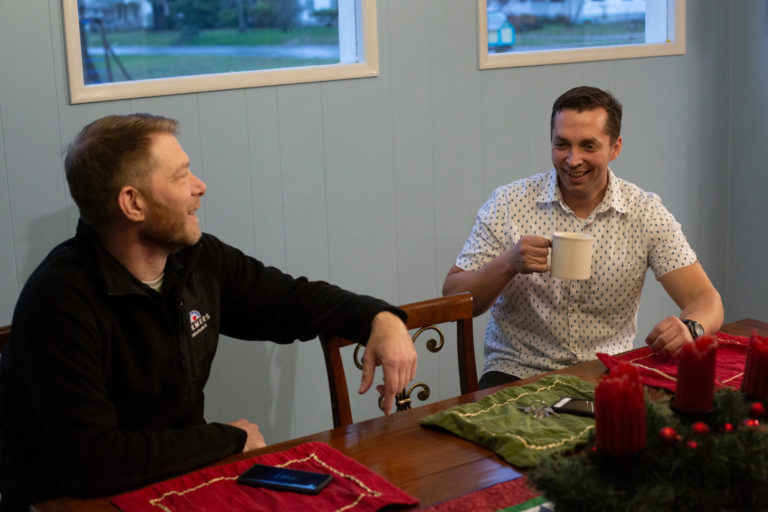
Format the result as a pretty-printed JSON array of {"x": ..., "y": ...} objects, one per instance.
[{"x": 695, "y": 328}]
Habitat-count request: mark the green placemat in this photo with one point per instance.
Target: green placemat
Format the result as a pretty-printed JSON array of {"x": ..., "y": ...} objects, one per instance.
[{"x": 500, "y": 422}]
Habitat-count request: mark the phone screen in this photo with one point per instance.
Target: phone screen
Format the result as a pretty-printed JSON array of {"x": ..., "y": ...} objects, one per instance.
[
  {"x": 575, "y": 406},
  {"x": 305, "y": 482}
]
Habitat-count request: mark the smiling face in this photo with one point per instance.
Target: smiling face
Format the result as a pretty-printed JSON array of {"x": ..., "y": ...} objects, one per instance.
[
  {"x": 172, "y": 194},
  {"x": 581, "y": 152}
]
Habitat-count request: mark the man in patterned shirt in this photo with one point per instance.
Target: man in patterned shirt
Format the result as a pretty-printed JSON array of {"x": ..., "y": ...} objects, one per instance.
[{"x": 539, "y": 322}]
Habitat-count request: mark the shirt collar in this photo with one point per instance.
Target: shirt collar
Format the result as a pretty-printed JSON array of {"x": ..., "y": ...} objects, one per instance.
[
  {"x": 613, "y": 198},
  {"x": 550, "y": 193},
  {"x": 117, "y": 279}
]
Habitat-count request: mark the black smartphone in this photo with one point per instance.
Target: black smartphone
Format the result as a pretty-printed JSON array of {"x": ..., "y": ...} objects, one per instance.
[
  {"x": 575, "y": 406},
  {"x": 285, "y": 479}
]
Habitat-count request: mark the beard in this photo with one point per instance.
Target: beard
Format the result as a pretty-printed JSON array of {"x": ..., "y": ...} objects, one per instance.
[{"x": 167, "y": 228}]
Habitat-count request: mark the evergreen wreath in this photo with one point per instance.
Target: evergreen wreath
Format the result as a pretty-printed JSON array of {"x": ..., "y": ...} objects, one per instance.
[{"x": 716, "y": 462}]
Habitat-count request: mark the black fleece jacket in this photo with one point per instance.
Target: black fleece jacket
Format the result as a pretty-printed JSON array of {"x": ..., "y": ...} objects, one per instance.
[{"x": 101, "y": 383}]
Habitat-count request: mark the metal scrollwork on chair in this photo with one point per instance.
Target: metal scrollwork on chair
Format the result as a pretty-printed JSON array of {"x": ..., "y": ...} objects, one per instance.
[
  {"x": 403, "y": 398},
  {"x": 455, "y": 310}
]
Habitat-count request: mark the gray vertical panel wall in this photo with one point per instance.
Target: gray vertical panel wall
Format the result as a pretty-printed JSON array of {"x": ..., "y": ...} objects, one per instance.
[
  {"x": 8, "y": 278},
  {"x": 374, "y": 183},
  {"x": 748, "y": 265}
]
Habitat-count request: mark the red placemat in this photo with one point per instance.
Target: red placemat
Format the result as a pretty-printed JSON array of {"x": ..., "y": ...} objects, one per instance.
[
  {"x": 661, "y": 371},
  {"x": 354, "y": 488},
  {"x": 490, "y": 499}
]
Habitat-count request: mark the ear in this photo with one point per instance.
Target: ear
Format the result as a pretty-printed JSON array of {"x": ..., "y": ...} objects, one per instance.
[
  {"x": 616, "y": 149},
  {"x": 131, "y": 203}
]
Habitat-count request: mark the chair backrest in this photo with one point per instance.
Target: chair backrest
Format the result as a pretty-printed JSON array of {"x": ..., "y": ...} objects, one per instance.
[
  {"x": 5, "y": 334},
  {"x": 423, "y": 317}
]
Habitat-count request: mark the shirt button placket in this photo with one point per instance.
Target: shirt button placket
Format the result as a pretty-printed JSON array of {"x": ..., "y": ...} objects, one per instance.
[{"x": 573, "y": 317}]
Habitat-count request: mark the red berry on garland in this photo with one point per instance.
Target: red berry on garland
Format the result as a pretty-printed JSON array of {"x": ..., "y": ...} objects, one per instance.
[
  {"x": 751, "y": 423},
  {"x": 668, "y": 435},
  {"x": 728, "y": 428},
  {"x": 756, "y": 410},
  {"x": 691, "y": 444},
  {"x": 700, "y": 428}
]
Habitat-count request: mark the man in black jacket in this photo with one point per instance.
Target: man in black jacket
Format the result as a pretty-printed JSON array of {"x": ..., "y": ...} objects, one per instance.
[{"x": 101, "y": 383}]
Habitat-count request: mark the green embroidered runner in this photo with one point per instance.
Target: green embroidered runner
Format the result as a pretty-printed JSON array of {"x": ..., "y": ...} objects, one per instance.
[{"x": 500, "y": 422}]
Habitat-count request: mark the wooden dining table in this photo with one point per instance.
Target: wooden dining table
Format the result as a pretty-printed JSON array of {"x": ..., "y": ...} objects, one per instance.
[{"x": 429, "y": 464}]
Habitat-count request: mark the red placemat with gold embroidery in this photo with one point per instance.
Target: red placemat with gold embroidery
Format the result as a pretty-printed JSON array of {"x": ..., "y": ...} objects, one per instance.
[
  {"x": 354, "y": 487},
  {"x": 661, "y": 371},
  {"x": 490, "y": 499}
]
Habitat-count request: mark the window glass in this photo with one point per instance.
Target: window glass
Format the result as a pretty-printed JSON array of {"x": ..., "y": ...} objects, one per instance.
[
  {"x": 526, "y": 32},
  {"x": 114, "y": 42},
  {"x": 138, "y": 39}
]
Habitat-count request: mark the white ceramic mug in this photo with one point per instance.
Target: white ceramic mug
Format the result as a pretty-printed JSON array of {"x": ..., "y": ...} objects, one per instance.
[{"x": 571, "y": 255}]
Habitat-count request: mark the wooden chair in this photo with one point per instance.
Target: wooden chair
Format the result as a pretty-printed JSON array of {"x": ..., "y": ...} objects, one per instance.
[
  {"x": 5, "y": 334},
  {"x": 423, "y": 317}
]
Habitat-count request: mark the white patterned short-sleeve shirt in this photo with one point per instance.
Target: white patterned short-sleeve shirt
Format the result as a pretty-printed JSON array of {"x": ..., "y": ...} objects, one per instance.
[{"x": 541, "y": 323}]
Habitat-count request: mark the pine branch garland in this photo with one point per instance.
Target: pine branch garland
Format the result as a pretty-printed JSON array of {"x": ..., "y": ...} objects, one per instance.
[{"x": 727, "y": 470}]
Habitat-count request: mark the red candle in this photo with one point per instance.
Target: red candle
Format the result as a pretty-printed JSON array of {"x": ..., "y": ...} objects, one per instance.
[
  {"x": 755, "y": 383},
  {"x": 620, "y": 411},
  {"x": 696, "y": 376}
]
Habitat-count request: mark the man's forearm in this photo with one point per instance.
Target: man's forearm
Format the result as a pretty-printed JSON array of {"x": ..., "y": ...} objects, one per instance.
[
  {"x": 528, "y": 255},
  {"x": 707, "y": 309},
  {"x": 695, "y": 295},
  {"x": 485, "y": 284}
]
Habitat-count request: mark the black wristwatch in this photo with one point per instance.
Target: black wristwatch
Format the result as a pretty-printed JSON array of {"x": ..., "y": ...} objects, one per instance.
[{"x": 694, "y": 327}]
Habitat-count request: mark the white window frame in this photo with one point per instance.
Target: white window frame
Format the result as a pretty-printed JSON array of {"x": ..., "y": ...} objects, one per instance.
[
  {"x": 675, "y": 44},
  {"x": 355, "y": 17}
]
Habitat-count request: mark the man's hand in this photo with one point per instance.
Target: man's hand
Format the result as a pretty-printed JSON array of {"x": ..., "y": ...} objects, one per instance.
[
  {"x": 529, "y": 254},
  {"x": 255, "y": 439},
  {"x": 390, "y": 346},
  {"x": 693, "y": 292},
  {"x": 668, "y": 336},
  {"x": 485, "y": 284}
]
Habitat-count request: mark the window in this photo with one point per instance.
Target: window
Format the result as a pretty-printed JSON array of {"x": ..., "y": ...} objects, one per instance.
[
  {"x": 526, "y": 33},
  {"x": 135, "y": 48}
]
